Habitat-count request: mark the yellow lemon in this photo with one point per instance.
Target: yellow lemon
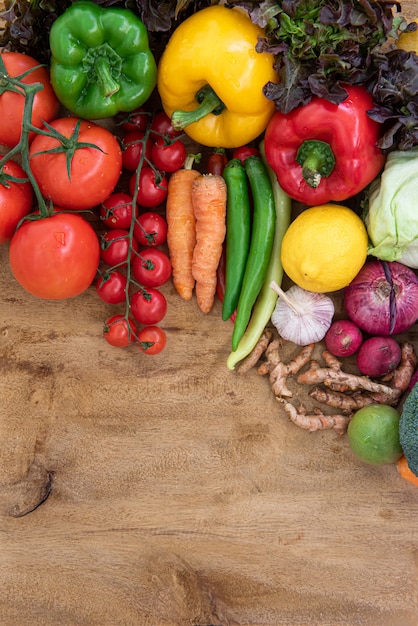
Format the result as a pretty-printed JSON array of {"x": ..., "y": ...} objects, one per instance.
[
  {"x": 409, "y": 41},
  {"x": 324, "y": 248}
]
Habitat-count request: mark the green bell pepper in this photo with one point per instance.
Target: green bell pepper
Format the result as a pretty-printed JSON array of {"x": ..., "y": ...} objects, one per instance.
[{"x": 101, "y": 63}]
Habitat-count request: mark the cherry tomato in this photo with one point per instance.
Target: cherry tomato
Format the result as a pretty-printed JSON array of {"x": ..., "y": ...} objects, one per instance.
[
  {"x": 116, "y": 211},
  {"x": 148, "y": 306},
  {"x": 152, "y": 268},
  {"x": 243, "y": 152},
  {"x": 45, "y": 105},
  {"x": 133, "y": 148},
  {"x": 15, "y": 199},
  {"x": 119, "y": 331},
  {"x": 55, "y": 257},
  {"x": 94, "y": 171},
  {"x": 150, "y": 229},
  {"x": 168, "y": 157},
  {"x": 216, "y": 162},
  {"x": 151, "y": 340},
  {"x": 115, "y": 247},
  {"x": 161, "y": 126},
  {"x": 152, "y": 188},
  {"x": 111, "y": 287},
  {"x": 136, "y": 120}
]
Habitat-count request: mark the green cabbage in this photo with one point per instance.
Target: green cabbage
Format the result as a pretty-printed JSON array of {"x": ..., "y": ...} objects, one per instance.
[{"x": 392, "y": 216}]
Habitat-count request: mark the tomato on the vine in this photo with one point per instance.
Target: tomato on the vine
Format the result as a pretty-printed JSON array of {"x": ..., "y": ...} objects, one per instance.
[
  {"x": 119, "y": 331},
  {"x": 148, "y": 306},
  {"x": 15, "y": 199},
  {"x": 116, "y": 210},
  {"x": 116, "y": 247},
  {"x": 216, "y": 162},
  {"x": 133, "y": 149},
  {"x": 94, "y": 171},
  {"x": 55, "y": 257},
  {"x": 150, "y": 229},
  {"x": 151, "y": 340},
  {"x": 152, "y": 187},
  {"x": 111, "y": 287},
  {"x": 243, "y": 152},
  {"x": 161, "y": 126},
  {"x": 168, "y": 157},
  {"x": 45, "y": 104},
  {"x": 151, "y": 267},
  {"x": 136, "y": 120}
]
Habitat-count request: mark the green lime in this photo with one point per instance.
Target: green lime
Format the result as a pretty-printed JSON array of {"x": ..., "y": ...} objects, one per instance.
[{"x": 373, "y": 434}]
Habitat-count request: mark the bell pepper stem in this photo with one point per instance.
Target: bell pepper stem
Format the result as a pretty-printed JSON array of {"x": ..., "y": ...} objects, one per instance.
[
  {"x": 317, "y": 161},
  {"x": 208, "y": 102},
  {"x": 102, "y": 68}
]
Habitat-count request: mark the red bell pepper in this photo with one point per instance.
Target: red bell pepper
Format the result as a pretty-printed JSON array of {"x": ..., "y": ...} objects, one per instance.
[{"x": 324, "y": 152}]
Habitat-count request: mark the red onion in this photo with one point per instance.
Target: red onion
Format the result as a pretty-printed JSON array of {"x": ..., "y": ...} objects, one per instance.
[
  {"x": 383, "y": 298},
  {"x": 343, "y": 338},
  {"x": 378, "y": 356}
]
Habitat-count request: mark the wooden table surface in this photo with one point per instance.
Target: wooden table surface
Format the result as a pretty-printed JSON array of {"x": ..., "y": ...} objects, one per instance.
[{"x": 170, "y": 491}]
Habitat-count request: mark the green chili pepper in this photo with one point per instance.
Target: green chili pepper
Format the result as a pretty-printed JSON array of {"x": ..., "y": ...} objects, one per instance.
[
  {"x": 237, "y": 233},
  {"x": 267, "y": 298},
  {"x": 261, "y": 244},
  {"x": 101, "y": 62}
]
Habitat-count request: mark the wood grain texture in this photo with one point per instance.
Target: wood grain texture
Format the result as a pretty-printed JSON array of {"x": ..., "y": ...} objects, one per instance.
[{"x": 169, "y": 491}]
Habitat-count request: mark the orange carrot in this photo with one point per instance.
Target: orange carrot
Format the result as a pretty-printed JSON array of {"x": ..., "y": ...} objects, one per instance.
[
  {"x": 405, "y": 472},
  {"x": 181, "y": 233},
  {"x": 209, "y": 195}
]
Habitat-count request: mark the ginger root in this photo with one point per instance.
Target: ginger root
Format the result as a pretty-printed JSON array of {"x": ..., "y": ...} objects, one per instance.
[
  {"x": 279, "y": 371},
  {"x": 344, "y": 391},
  {"x": 317, "y": 420},
  {"x": 338, "y": 382}
]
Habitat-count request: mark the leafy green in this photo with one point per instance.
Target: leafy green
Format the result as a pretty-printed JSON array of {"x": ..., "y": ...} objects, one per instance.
[
  {"x": 391, "y": 217},
  {"x": 394, "y": 87}
]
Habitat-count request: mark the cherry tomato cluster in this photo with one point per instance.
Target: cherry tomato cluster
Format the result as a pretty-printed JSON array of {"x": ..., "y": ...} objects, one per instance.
[
  {"x": 135, "y": 263},
  {"x": 71, "y": 165}
]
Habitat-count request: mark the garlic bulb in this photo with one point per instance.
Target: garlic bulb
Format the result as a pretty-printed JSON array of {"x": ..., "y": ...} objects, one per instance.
[{"x": 302, "y": 316}]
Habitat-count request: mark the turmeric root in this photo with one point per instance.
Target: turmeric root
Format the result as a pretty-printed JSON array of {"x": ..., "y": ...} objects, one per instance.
[
  {"x": 398, "y": 382},
  {"x": 343, "y": 401},
  {"x": 317, "y": 420},
  {"x": 279, "y": 371},
  {"x": 252, "y": 359},
  {"x": 332, "y": 376}
]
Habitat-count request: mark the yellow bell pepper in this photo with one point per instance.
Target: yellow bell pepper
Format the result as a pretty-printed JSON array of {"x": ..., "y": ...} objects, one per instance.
[{"x": 211, "y": 79}]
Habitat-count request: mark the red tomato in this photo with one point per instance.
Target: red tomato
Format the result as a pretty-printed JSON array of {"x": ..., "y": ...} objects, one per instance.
[
  {"x": 119, "y": 331},
  {"x": 55, "y": 257},
  {"x": 152, "y": 340},
  {"x": 94, "y": 171},
  {"x": 148, "y": 306},
  {"x": 111, "y": 287},
  {"x": 161, "y": 125},
  {"x": 115, "y": 247},
  {"x": 152, "y": 188},
  {"x": 168, "y": 157},
  {"x": 150, "y": 229},
  {"x": 216, "y": 162},
  {"x": 132, "y": 149},
  {"x": 152, "y": 268},
  {"x": 243, "y": 152},
  {"x": 45, "y": 105},
  {"x": 15, "y": 199},
  {"x": 116, "y": 211},
  {"x": 136, "y": 120}
]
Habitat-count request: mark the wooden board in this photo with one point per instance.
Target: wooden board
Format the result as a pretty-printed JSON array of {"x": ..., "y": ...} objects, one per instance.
[{"x": 169, "y": 491}]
